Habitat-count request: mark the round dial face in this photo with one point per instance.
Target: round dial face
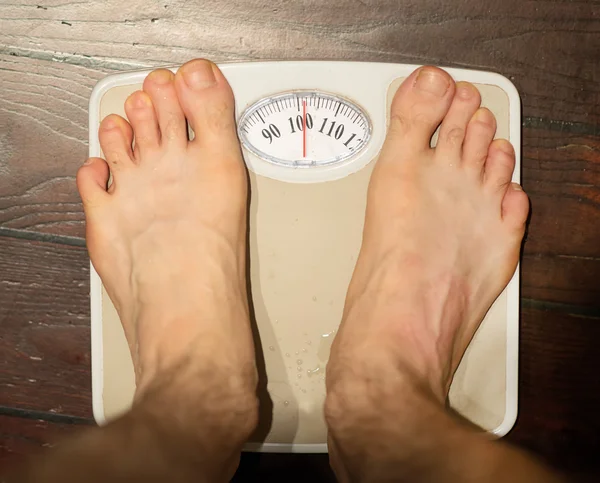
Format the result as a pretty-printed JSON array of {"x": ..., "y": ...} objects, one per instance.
[{"x": 304, "y": 129}]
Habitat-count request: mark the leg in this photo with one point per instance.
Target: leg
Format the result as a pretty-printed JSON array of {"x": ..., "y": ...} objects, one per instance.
[
  {"x": 168, "y": 238},
  {"x": 441, "y": 240}
]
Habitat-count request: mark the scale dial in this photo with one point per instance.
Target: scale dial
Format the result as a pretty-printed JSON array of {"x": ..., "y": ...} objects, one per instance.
[{"x": 304, "y": 129}]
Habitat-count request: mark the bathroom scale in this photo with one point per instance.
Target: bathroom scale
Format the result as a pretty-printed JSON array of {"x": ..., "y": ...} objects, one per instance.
[{"x": 310, "y": 134}]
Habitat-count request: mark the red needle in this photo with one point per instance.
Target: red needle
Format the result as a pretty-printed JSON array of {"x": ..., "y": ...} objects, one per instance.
[{"x": 304, "y": 129}]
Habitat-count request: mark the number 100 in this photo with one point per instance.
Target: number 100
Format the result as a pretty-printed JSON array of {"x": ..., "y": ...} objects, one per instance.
[{"x": 300, "y": 124}]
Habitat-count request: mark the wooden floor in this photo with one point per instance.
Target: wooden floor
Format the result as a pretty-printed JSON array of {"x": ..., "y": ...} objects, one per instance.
[{"x": 52, "y": 53}]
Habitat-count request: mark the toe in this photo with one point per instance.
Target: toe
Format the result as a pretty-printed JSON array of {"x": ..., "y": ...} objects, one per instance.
[
  {"x": 171, "y": 120},
  {"x": 515, "y": 207},
  {"x": 116, "y": 136},
  {"x": 92, "y": 181},
  {"x": 465, "y": 103},
  {"x": 419, "y": 106},
  {"x": 479, "y": 136},
  {"x": 207, "y": 101},
  {"x": 142, "y": 117},
  {"x": 499, "y": 166}
]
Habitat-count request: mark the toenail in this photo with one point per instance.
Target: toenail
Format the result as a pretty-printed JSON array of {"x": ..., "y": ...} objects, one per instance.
[
  {"x": 432, "y": 82},
  {"x": 88, "y": 161},
  {"x": 109, "y": 123},
  {"x": 139, "y": 101},
  {"x": 199, "y": 74},
  {"x": 506, "y": 147},
  {"x": 483, "y": 116},
  {"x": 516, "y": 186},
  {"x": 161, "y": 76},
  {"x": 464, "y": 90}
]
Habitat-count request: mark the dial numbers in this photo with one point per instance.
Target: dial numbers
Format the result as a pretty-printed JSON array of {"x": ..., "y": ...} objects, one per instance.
[{"x": 304, "y": 129}]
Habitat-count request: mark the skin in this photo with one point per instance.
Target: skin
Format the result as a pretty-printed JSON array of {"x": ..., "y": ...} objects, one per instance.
[
  {"x": 441, "y": 241},
  {"x": 168, "y": 237}
]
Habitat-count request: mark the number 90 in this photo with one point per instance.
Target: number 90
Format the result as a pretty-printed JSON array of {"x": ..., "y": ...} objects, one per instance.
[{"x": 272, "y": 131}]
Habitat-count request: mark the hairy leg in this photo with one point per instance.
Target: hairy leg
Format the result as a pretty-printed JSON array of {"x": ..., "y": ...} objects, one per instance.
[
  {"x": 168, "y": 238},
  {"x": 442, "y": 236}
]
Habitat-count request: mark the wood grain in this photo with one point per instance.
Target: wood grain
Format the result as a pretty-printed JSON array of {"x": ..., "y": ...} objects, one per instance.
[
  {"x": 561, "y": 259},
  {"x": 43, "y": 132},
  {"x": 549, "y": 48},
  {"x": 558, "y": 389},
  {"x": 52, "y": 53},
  {"x": 45, "y": 335}
]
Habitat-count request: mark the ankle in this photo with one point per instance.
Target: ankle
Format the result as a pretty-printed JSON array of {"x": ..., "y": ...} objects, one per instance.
[
  {"x": 376, "y": 423},
  {"x": 195, "y": 396},
  {"x": 373, "y": 389},
  {"x": 179, "y": 342},
  {"x": 398, "y": 344}
]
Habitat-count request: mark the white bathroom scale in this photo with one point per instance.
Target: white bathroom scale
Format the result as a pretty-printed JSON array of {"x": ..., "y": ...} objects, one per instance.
[{"x": 311, "y": 133}]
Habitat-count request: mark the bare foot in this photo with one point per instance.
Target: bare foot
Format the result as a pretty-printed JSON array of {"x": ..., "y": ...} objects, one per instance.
[
  {"x": 168, "y": 238},
  {"x": 441, "y": 240}
]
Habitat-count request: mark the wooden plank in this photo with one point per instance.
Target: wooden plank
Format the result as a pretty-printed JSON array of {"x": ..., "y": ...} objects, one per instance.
[
  {"x": 43, "y": 132},
  {"x": 45, "y": 339},
  {"x": 568, "y": 279},
  {"x": 21, "y": 438},
  {"x": 561, "y": 259},
  {"x": 559, "y": 389},
  {"x": 549, "y": 49},
  {"x": 561, "y": 174}
]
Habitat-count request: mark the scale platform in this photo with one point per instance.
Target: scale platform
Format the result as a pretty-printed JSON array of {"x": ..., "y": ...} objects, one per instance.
[{"x": 305, "y": 233}]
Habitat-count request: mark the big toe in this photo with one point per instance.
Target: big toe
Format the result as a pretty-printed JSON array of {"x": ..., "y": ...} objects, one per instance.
[
  {"x": 207, "y": 100},
  {"x": 419, "y": 106}
]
